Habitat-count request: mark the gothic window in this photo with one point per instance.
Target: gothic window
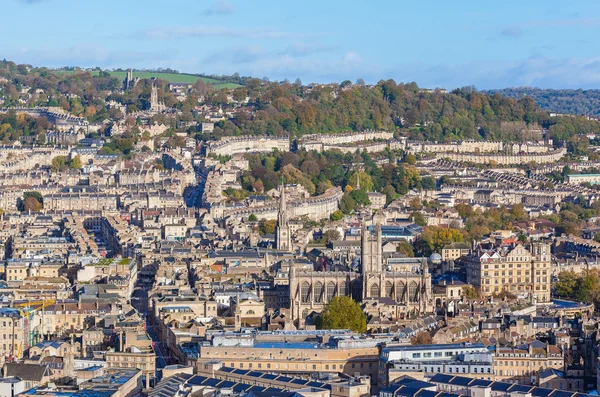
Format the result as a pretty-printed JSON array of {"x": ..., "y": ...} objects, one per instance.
[
  {"x": 413, "y": 292},
  {"x": 305, "y": 292},
  {"x": 330, "y": 291},
  {"x": 319, "y": 292},
  {"x": 400, "y": 292},
  {"x": 343, "y": 288},
  {"x": 374, "y": 291},
  {"x": 389, "y": 289}
]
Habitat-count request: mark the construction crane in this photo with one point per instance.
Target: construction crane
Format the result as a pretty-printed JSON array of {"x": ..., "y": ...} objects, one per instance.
[{"x": 27, "y": 311}]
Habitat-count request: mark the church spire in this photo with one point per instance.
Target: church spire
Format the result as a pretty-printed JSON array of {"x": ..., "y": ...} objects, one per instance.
[
  {"x": 282, "y": 214},
  {"x": 284, "y": 234}
]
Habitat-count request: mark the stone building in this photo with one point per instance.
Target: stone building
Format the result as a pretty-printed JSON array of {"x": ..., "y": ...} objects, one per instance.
[
  {"x": 407, "y": 283},
  {"x": 517, "y": 269}
]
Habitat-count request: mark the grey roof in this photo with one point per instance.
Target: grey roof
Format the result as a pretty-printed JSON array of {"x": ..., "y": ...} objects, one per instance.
[{"x": 31, "y": 372}]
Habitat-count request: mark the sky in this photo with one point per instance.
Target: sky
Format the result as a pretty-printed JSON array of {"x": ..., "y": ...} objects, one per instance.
[{"x": 436, "y": 43}]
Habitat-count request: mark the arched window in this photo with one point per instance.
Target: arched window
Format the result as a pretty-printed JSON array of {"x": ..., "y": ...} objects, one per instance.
[
  {"x": 389, "y": 289},
  {"x": 250, "y": 312},
  {"x": 343, "y": 288},
  {"x": 305, "y": 292},
  {"x": 319, "y": 292},
  {"x": 374, "y": 291},
  {"x": 400, "y": 292},
  {"x": 413, "y": 292},
  {"x": 330, "y": 291}
]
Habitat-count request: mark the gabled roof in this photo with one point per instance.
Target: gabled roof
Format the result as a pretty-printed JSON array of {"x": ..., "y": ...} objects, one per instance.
[{"x": 31, "y": 372}]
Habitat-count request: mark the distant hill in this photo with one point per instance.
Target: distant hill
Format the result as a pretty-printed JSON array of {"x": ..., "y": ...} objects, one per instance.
[
  {"x": 170, "y": 77},
  {"x": 582, "y": 102}
]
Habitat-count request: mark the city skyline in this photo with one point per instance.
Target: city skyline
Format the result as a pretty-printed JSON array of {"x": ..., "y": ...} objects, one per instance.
[{"x": 542, "y": 44}]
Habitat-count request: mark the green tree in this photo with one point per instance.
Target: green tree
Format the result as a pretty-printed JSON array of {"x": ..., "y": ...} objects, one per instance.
[
  {"x": 343, "y": 312},
  {"x": 60, "y": 163},
  {"x": 331, "y": 235},
  {"x": 347, "y": 204},
  {"x": 337, "y": 215},
  {"x": 362, "y": 179},
  {"x": 405, "y": 248},
  {"x": 588, "y": 287},
  {"x": 35, "y": 194},
  {"x": 75, "y": 163},
  {"x": 41, "y": 139},
  {"x": 428, "y": 183},
  {"x": 469, "y": 292},
  {"x": 418, "y": 218},
  {"x": 252, "y": 218},
  {"x": 410, "y": 159},
  {"x": 360, "y": 197},
  {"x": 567, "y": 284}
]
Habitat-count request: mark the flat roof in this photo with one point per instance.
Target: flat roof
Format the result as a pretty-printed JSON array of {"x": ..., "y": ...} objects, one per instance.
[{"x": 445, "y": 346}]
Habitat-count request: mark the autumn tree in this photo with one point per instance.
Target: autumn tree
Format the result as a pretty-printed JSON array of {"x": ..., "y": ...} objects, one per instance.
[
  {"x": 422, "y": 338},
  {"x": 469, "y": 292},
  {"x": 267, "y": 226},
  {"x": 32, "y": 204}
]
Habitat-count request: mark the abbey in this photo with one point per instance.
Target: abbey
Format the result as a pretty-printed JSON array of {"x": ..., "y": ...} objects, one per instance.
[{"x": 404, "y": 280}]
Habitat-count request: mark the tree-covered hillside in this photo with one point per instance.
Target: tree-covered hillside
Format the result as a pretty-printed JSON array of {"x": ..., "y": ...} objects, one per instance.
[{"x": 582, "y": 102}]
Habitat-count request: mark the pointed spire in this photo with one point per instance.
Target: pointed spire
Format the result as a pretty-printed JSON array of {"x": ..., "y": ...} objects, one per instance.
[{"x": 282, "y": 215}]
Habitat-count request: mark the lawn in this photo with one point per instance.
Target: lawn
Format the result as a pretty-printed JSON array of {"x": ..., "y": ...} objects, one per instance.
[{"x": 170, "y": 77}]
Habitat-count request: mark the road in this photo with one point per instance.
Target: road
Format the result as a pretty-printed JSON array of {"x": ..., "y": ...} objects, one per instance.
[
  {"x": 160, "y": 357},
  {"x": 139, "y": 301}
]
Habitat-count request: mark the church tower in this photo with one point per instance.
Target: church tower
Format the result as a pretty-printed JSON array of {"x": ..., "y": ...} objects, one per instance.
[
  {"x": 283, "y": 236},
  {"x": 373, "y": 273}
]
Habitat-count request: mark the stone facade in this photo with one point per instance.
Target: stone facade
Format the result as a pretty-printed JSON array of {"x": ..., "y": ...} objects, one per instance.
[
  {"x": 408, "y": 285},
  {"x": 233, "y": 145},
  {"x": 519, "y": 270}
]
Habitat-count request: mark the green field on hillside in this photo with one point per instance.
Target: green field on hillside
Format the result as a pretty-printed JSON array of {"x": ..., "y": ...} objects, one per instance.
[{"x": 170, "y": 77}]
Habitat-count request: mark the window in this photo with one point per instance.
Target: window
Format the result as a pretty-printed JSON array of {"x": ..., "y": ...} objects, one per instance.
[{"x": 416, "y": 355}]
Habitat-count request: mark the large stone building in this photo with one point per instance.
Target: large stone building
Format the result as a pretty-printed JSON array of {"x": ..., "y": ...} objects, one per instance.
[
  {"x": 517, "y": 269},
  {"x": 407, "y": 283},
  {"x": 231, "y": 145}
]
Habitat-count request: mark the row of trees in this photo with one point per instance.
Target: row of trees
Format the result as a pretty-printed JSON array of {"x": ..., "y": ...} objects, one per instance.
[{"x": 583, "y": 287}]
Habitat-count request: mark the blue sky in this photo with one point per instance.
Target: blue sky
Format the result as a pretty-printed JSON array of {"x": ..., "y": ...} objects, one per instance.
[{"x": 488, "y": 44}]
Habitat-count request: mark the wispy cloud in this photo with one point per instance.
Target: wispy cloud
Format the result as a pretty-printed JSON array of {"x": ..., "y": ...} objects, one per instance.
[
  {"x": 310, "y": 63},
  {"x": 87, "y": 54},
  {"x": 195, "y": 31},
  {"x": 219, "y": 7},
  {"x": 31, "y": 1},
  {"x": 513, "y": 32}
]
